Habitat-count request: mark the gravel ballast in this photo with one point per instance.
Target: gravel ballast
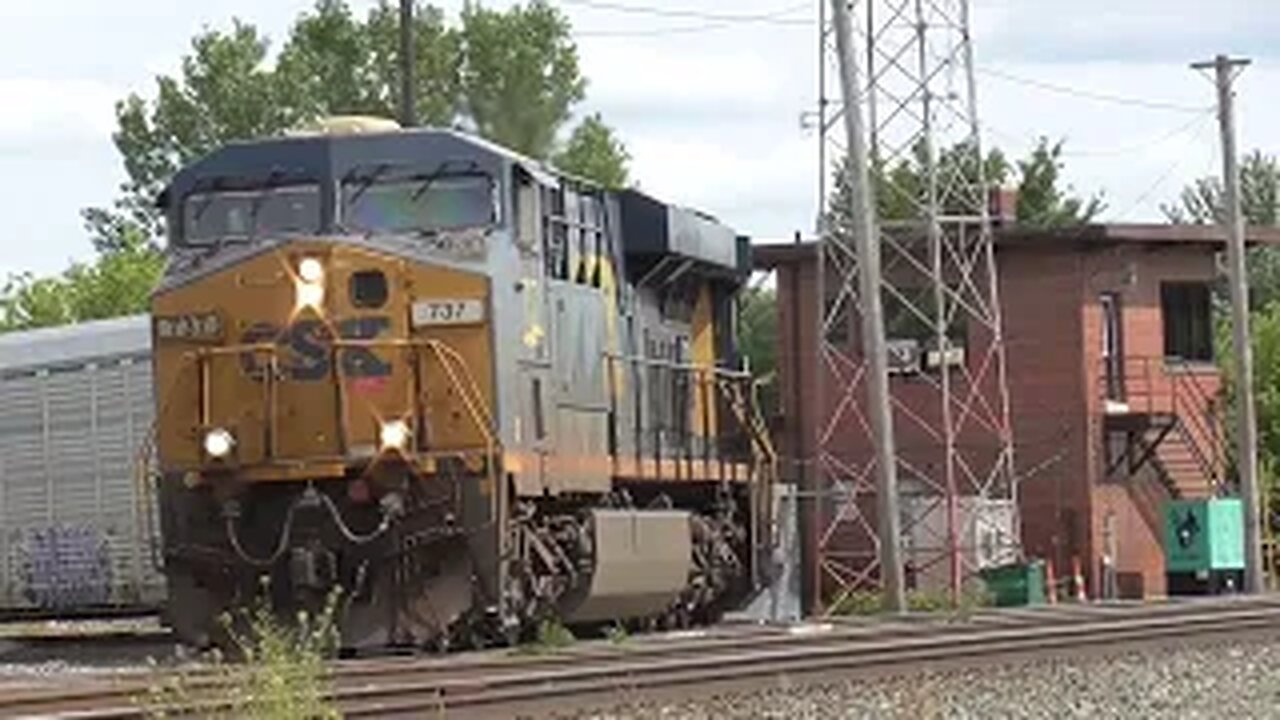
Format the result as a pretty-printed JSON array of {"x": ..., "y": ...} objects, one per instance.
[{"x": 1235, "y": 681}]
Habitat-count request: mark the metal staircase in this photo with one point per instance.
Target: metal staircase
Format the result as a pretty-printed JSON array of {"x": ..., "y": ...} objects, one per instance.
[{"x": 1169, "y": 416}]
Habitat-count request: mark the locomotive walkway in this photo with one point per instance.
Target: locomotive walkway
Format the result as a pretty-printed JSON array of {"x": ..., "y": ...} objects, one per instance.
[{"x": 724, "y": 659}]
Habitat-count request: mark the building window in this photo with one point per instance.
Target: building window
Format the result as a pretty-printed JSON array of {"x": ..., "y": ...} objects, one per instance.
[{"x": 1188, "y": 321}]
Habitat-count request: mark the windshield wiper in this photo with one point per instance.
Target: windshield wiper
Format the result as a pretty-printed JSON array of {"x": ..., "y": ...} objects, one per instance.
[
  {"x": 268, "y": 186},
  {"x": 365, "y": 181},
  {"x": 427, "y": 181},
  {"x": 441, "y": 170}
]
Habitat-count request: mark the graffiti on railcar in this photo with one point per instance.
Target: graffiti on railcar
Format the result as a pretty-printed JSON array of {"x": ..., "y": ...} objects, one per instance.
[{"x": 65, "y": 566}]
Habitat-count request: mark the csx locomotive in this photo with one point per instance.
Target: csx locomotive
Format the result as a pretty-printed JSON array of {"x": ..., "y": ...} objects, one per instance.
[{"x": 455, "y": 389}]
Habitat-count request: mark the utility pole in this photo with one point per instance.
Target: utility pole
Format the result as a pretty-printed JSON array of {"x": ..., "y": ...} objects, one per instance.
[
  {"x": 866, "y": 240},
  {"x": 1247, "y": 430},
  {"x": 407, "y": 114}
]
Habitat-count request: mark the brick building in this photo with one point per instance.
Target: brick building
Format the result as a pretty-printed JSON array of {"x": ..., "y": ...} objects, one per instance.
[{"x": 1114, "y": 393}]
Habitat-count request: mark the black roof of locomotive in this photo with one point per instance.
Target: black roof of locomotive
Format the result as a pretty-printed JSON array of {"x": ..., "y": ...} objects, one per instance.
[
  {"x": 650, "y": 227},
  {"x": 321, "y": 157}
]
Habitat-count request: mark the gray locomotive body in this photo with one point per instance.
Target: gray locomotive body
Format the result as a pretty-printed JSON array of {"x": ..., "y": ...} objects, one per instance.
[{"x": 538, "y": 411}]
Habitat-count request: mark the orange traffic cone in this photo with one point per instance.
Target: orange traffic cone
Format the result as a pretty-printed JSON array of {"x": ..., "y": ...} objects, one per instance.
[
  {"x": 1077, "y": 579},
  {"x": 1050, "y": 584}
]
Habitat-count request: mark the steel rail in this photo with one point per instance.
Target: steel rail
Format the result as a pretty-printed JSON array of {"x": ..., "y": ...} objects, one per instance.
[
  {"x": 491, "y": 686},
  {"x": 504, "y": 695}
]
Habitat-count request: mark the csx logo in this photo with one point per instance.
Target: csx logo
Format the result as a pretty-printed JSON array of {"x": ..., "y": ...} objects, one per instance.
[{"x": 309, "y": 348}]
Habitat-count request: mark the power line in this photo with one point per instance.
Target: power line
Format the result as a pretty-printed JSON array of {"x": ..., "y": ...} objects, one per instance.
[
  {"x": 1115, "y": 151},
  {"x": 1090, "y": 94},
  {"x": 714, "y": 21},
  {"x": 1177, "y": 163},
  {"x": 692, "y": 14},
  {"x": 1138, "y": 147}
]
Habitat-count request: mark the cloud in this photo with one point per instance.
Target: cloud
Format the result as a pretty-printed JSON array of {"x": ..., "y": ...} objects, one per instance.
[
  {"x": 763, "y": 191},
  {"x": 45, "y": 108},
  {"x": 711, "y": 118},
  {"x": 635, "y": 77},
  {"x": 1166, "y": 31},
  {"x": 1139, "y": 157}
]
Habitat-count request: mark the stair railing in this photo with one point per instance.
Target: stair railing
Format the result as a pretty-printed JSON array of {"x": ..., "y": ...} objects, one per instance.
[{"x": 1197, "y": 408}]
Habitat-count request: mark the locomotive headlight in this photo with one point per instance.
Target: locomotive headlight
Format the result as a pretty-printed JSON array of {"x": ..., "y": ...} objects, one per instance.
[
  {"x": 310, "y": 271},
  {"x": 218, "y": 443},
  {"x": 394, "y": 435},
  {"x": 310, "y": 283},
  {"x": 310, "y": 295}
]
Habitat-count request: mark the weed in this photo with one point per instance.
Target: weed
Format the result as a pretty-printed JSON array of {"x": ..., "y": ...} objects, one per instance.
[
  {"x": 551, "y": 636},
  {"x": 617, "y": 634},
  {"x": 861, "y": 602},
  {"x": 923, "y": 601},
  {"x": 281, "y": 673}
]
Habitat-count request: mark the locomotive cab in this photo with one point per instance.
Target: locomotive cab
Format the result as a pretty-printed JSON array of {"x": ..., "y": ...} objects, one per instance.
[{"x": 418, "y": 371}]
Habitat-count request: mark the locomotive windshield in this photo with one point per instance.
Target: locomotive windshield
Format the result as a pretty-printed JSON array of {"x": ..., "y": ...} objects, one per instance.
[
  {"x": 436, "y": 202},
  {"x": 244, "y": 214}
]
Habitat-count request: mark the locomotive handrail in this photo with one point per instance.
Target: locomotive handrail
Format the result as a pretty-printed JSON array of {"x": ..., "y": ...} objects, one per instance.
[
  {"x": 691, "y": 367},
  {"x": 479, "y": 415},
  {"x": 451, "y": 361},
  {"x": 445, "y": 353},
  {"x": 712, "y": 383}
]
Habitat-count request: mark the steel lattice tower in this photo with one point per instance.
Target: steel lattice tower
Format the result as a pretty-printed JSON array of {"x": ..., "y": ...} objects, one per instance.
[{"x": 954, "y": 446}]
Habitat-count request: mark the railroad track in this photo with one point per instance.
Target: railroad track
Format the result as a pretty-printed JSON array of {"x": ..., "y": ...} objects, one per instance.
[{"x": 598, "y": 674}]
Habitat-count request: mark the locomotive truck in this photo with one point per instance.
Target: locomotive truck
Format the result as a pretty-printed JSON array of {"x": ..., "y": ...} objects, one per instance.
[{"x": 455, "y": 389}]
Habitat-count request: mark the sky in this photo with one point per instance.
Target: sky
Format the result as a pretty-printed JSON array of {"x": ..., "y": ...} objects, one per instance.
[{"x": 711, "y": 111}]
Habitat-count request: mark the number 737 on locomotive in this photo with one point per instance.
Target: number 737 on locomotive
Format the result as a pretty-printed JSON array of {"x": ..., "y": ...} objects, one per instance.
[{"x": 455, "y": 389}]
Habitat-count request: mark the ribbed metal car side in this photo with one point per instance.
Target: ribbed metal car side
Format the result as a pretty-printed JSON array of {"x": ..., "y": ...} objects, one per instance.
[{"x": 75, "y": 519}]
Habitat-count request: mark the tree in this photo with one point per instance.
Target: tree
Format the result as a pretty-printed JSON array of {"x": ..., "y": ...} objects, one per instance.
[
  {"x": 1201, "y": 203},
  {"x": 594, "y": 152},
  {"x": 901, "y": 189},
  {"x": 520, "y": 76},
  {"x": 334, "y": 64},
  {"x": 119, "y": 282},
  {"x": 512, "y": 74},
  {"x": 225, "y": 93},
  {"x": 1041, "y": 204},
  {"x": 758, "y": 328},
  {"x": 758, "y": 340},
  {"x": 1265, "y": 338}
]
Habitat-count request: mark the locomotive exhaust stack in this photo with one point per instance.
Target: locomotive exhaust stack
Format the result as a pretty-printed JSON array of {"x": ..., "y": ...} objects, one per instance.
[{"x": 463, "y": 391}]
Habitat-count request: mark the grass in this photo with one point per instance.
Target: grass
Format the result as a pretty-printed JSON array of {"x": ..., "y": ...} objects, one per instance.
[
  {"x": 551, "y": 636},
  {"x": 281, "y": 673},
  {"x": 617, "y": 634},
  {"x": 923, "y": 601}
]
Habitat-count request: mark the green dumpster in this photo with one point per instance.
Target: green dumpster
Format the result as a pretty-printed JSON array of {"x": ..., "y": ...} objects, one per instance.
[{"x": 1016, "y": 584}]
